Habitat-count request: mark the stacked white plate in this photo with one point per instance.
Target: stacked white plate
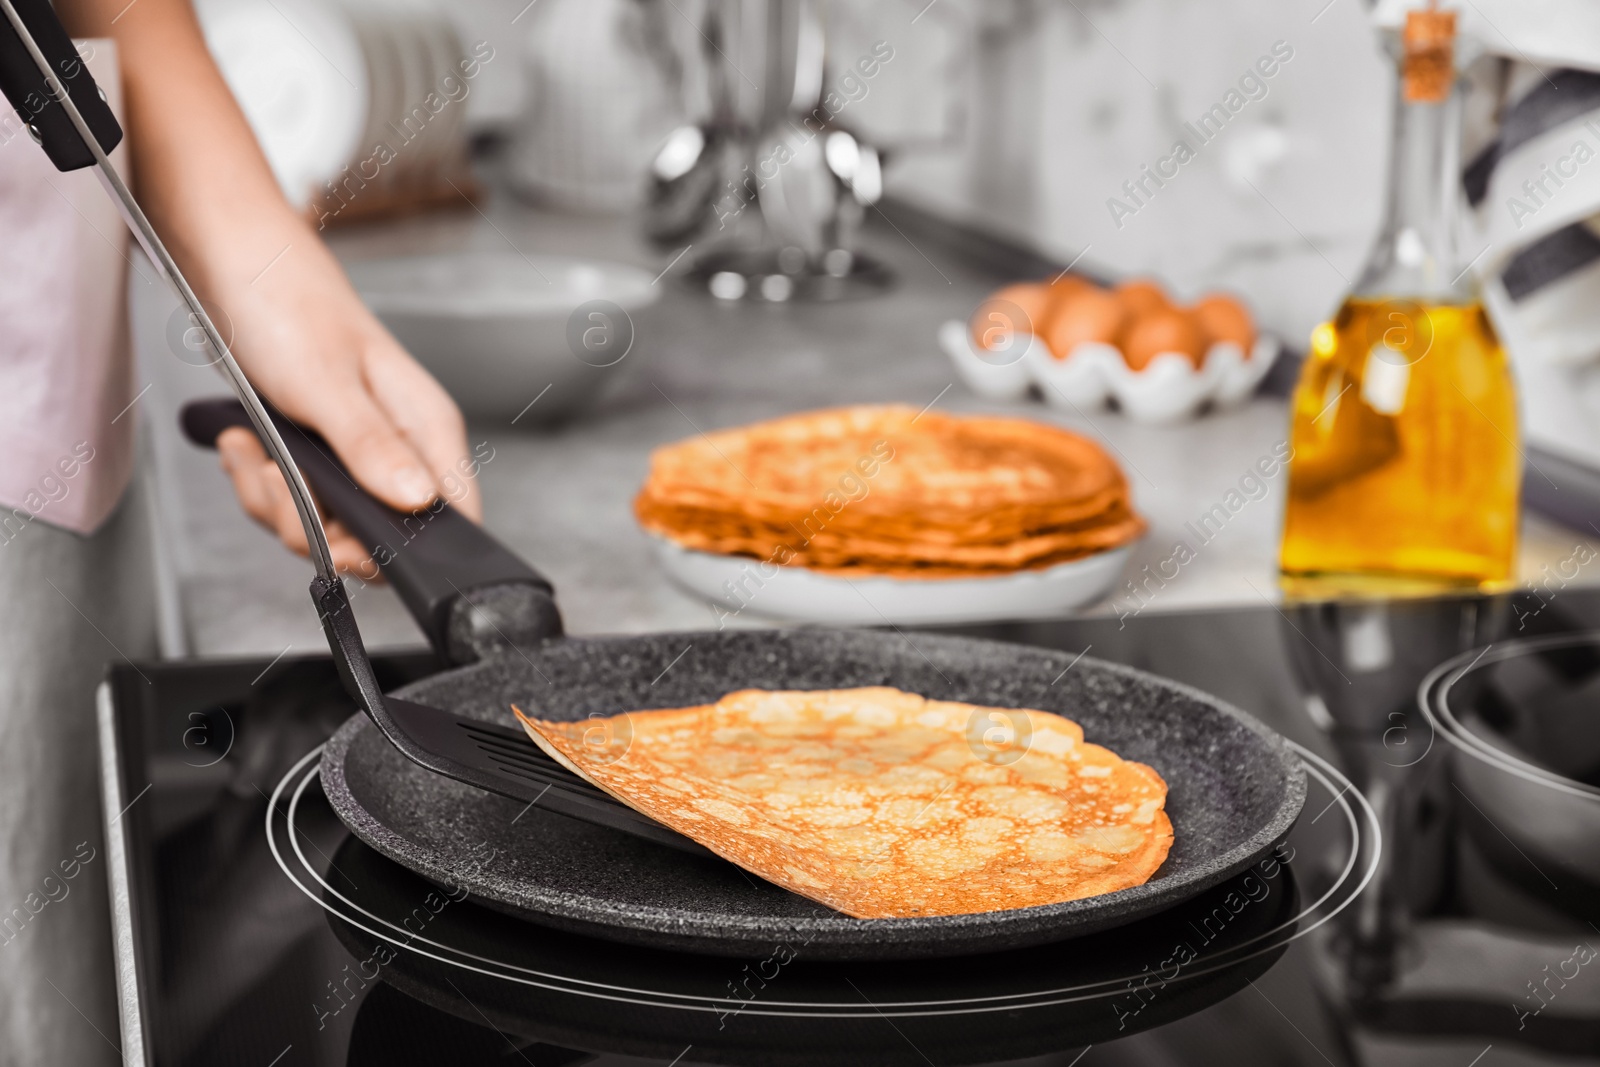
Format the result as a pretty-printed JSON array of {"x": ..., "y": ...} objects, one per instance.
[
  {"x": 349, "y": 99},
  {"x": 737, "y": 588}
]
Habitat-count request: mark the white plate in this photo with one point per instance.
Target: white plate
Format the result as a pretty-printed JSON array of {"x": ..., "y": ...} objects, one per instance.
[
  {"x": 800, "y": 595},
  {"x": 385, "y": 87},
  {"x": 447, "y": 55},
  {"x": 306, "y": 102},
  {"x": 413, "y": 134}
]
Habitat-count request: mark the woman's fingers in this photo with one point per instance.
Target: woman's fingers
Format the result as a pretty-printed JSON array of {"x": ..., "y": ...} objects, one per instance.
[
  {"x": 350, "y": 556},
  {"x": 242, "y": 457},
  {"x": 429, "y": 420},
  {"x": 374, "y": 450},
  {"x": 265, "y": 497}
]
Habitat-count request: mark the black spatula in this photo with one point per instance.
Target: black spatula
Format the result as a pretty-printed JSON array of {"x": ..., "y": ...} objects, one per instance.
[
  {"x": 458, "y": 582},
  {"x": 65, "y": 112}
]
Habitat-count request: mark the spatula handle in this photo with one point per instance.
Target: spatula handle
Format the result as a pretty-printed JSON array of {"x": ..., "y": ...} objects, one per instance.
[
  {"x": 28, "y": 91},
  {"x": 438, "y": 560}
]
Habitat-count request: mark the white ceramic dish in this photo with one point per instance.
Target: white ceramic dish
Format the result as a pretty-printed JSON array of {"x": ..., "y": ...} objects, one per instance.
[
  {"x": 385, "y": 87},
  {"x": 1169, "y": 388},
  {"x": 412, "y": 134},
  {"x": 1004, "y": 377},
  {"x": 307, "y": 103},
  {"x": 447, "y": 53},
  {"x": 739, "y": 586},
  {"x": 496, "y": 328}
]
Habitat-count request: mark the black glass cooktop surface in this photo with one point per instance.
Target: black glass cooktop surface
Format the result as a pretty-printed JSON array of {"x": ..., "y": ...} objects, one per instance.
[{"x": 1411, "y": 918}]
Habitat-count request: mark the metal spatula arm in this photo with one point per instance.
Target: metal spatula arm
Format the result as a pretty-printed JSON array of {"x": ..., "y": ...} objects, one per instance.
[
  {"x": 33, "y": 47},
  {"x": 42, "y": 29},
  {"x": 327, "y": 589},
  {"x": 24, "y": 41}
]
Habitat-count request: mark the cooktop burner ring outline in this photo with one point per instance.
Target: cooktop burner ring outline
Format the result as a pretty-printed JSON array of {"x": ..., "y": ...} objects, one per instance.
[
  {"x": 1327, "y": 776},
  {"x": 1314, "y": 762}
]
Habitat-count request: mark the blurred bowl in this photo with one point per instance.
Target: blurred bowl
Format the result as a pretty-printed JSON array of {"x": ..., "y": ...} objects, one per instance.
[{"x": 528, "y": 339}]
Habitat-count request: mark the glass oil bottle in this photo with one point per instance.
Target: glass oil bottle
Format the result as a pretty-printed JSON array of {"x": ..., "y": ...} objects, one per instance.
[{"x": 1405, "y": 469}]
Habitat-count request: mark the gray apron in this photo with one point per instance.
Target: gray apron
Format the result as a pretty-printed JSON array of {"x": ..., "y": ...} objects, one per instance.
[{"x": 73, "y": 603}]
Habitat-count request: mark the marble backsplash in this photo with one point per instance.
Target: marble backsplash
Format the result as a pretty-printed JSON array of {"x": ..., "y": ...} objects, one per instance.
[{"x": 1235, "y": 144}]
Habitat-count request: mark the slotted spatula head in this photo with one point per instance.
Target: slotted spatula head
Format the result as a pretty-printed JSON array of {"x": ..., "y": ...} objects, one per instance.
[{"x": 502, "y": 760}]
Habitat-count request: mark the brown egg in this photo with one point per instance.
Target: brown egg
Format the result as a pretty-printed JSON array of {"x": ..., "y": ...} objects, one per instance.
[
  {"x": 1022, "y": 308},
  {"x": 1166, "y": 330},
  {"x": 1141, "y": 296},
  {"x": 1223, "y": 318},
  {"x": 1064, "y": 286},
  {"x": 1090, "y": 315}
]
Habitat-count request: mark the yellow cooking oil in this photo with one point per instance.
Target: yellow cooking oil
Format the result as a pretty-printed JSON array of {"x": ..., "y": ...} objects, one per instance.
[{"x": 1404, "y": 473}]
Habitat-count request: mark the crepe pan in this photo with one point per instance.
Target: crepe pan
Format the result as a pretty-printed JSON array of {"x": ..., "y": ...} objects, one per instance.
[{"x": 1234, "y": 787}]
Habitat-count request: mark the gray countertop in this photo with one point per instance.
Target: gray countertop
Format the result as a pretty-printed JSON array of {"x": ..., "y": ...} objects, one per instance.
[{"x": 561, "y": 497}]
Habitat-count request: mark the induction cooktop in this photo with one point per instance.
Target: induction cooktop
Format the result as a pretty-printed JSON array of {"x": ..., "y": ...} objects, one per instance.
[{"x": 253, "y": 929}]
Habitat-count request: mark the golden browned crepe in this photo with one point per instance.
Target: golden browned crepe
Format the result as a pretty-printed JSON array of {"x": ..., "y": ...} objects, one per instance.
[
  {"x": 880, "y": 803},
  {"x": 890, "y": 490}
]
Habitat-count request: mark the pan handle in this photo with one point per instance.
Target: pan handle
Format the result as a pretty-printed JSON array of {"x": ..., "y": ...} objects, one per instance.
[{"x": 467, "y": 592}]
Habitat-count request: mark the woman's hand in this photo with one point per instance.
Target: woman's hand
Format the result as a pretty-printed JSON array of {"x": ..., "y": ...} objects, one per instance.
[
  {"x": 280, "y": 299},
  {"x": 309, "y": 345}
]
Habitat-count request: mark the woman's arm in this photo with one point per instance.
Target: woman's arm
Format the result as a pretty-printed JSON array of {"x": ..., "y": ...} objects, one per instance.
[{"x": 297, "y": 327}]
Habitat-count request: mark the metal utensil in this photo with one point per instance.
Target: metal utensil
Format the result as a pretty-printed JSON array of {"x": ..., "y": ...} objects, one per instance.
[
  {"x": 462, "y": 587},
  {"x": 685, "y": 179},
  {"x": 687, "y": 174},
  {"x": 77, "y": 129},
  {"x": 620, "y": 886}
]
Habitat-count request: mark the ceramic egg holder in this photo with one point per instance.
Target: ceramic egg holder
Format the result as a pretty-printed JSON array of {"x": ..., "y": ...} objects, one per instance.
[{"x": 1167, "y": 389}]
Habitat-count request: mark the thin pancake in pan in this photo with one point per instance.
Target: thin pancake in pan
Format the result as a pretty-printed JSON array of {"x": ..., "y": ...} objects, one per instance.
[{"x": 880, "y": 803}]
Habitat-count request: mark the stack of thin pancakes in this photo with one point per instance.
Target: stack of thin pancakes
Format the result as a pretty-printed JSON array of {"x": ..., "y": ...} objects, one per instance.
[{"x": 888, "y": 490}]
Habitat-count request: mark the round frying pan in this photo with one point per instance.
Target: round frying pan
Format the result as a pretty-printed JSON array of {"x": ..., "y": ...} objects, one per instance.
[{"x": 1235, "y": 788}]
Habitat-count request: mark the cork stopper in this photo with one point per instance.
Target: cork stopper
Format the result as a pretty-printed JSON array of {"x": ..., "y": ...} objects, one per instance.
[{"x": 1429, "y": 65}]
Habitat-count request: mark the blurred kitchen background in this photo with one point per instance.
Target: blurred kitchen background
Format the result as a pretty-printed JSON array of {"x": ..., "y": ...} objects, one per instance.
[
  {"x": 487, "y": 168},
  {"x": 1021, "y": 117}
]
